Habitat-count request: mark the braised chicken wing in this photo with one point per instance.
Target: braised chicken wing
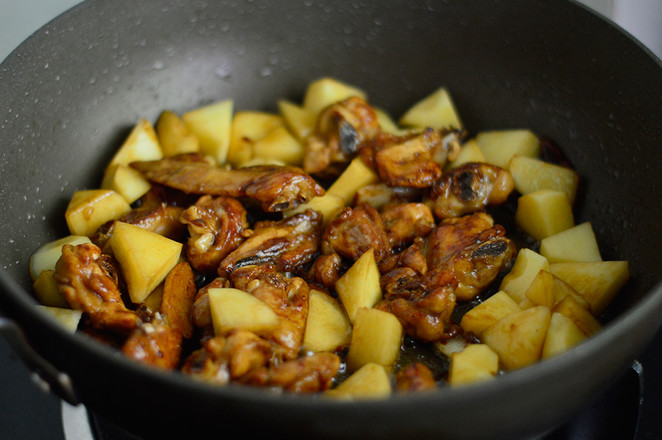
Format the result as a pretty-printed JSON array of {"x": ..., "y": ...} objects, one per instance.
[{"x": 155, "y": 343}]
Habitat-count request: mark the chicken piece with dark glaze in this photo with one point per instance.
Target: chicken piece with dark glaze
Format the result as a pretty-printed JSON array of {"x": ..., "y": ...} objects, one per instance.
[
  {"x": 413, "y": 378},
  {"x": 88, "y": 280},
  {"x": 277, "y": 188},
  {"x": 380, "y": 194},
  {"x": 288, "y": 244},
  {"x": 406, "y": 221},
  {"x": 155, "y": 343},
  {"x": 217, "y": 226},
  {"x": 327, "y": 269},
  {"x": 341, "y": 128},
  {"x": 468, "y": 189}
]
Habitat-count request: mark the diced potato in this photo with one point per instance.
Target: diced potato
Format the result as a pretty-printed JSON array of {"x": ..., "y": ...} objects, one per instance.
[
  {"x": 89, "y": 209},
  {"x": 279, "y": 144},
  {"x": 488, "y": 312},
  {"x": 300, "y": 121},
  {"x": 563, "y": 289},
  {"x": 328, "y": 326},
  {"x": 154, "y": 299},
  {"x": 527, "y": 265},
  {"x": 562, "y": 335},
  {"x": 329, "y": 205},
  {"x": 544, "y": 213},
  {"x": 144, "y": 256},
  {"x": 500, "y": 146},
  {"x": 359, "y": 286},
  {"x": 531, "y": 174},
  {"x": 141, "y": 144},
  {"x": 453, "y": 345},
  {"x": 575, "y": 244},
  {"x": 583, "y": 319},
  {"x": 235, "y": 309},
  {"x": 376, "y": 337},
  {"x": 355, "y": 176},
  {"x": 67, "y": 317},
  {"x": 174, "y": 136},
  {"x": 476, "y": 363},
  {"x": 435, "y": 110},
  {"x": 326, "y": 91},
  {"x": 125, "y": 181},
  {"x": 541, "y": 291},
  {"x": 597, "y": 282},
  {"x": 519, "y": 337},
  {"x": 369, "y": 382},
  {"x": 387, "y": 124},
  {"x": 47, "y": 292},
  {"x": 47, "y": 255},
  {"x": 260, "y": 161},
  {"x": 248, "y": 127},
  {"x": 469, "y": 152},
  {"x": 212, "y": 125}
]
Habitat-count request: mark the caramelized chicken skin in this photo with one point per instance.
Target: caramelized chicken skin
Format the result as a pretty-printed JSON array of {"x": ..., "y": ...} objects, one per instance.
[
  {"x": 155, "y": 343},
  {"x": 415, "y": 377}
]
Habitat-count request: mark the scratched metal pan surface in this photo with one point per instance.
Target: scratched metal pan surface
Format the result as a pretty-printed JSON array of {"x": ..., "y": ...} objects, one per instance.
[{"x": 70, "y": 94}]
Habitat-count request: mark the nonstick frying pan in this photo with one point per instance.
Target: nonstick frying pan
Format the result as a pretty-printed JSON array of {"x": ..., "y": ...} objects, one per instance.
[{"x": 70, "y": 94}]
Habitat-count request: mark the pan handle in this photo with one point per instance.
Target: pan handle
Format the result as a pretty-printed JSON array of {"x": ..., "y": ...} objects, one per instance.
[{"x": 44, "y": 374}]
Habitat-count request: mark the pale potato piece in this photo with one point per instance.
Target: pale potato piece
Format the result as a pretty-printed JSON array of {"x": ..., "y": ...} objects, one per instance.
[
  {"x": 544, "y": 213},
  {"x": 329, "y": 205},
  {"x": 260, "y": 161},
  {"x": 469, "y": 152},
  {"x": 248, "y": 127},
  {"x": 531, "y": 174},
  {"x": 387, "y": 123},
  {"x": 376, "y": 337},
  {"x": 519, "y": 337},
  {"x": 328, "y": 326},
  {"x": 500, "y": 146},
  {"x": 452, "y": 345},
  {"x": 281, "y": 145},
  {"x": 235, "y": 309},
  {"x": 597, "y": 282},
  {"x": 355, "y": 176},
  {"x": 575, "y": 244},
  {"x": 562, "y": 335},
  {"x": 298, "y": 120},
  {"x": 435, "y": 110},
  {"x": 359, "y": 286},
  {"x": 476, "y": 363},
  {"x": 579, "y": 315},
  {"x": 142, "y": 144},
  {"x": 47, "y": 255},
  {"x": 527, "y": 265},
  {"x": 563, "y": 289},
  {"x": 89, "y": 209},
  {"x": 144, "y": 256},
  {"x": 154, "y": 299},
  {"x": 174, "y": 136},
  {"x": 125, "y": 181},
  {"x": 326, "y": 91},
  {"x": 369, "y": 382},
  {"x": 488, "y": 312},
  {"x": 212, "y": 125},
  {"x": 541, "y": 291},
  {"x": 47, "y": 292},
  {"x": 67, "y": 317}
]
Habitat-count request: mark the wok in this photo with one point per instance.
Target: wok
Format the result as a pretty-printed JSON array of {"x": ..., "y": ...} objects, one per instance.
[{"x": 70, "y": 94}]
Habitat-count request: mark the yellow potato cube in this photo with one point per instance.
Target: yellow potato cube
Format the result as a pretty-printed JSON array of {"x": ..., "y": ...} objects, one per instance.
[
  {"x": 488, "y": 312},
  {"x": 67, "y": 317},
  {"x": 125, "y": 181},
  {"x": 235, "y": 309},
  {"x": 575, "y": 244},
  {"x": 300, "y": 121},
  {"x": 579, "y": 315},
  {"x": 541, "y": 291},
  {"x": 519, "y": 337},
  {"x": 369, "y": 382},
  {"x": 89, "y": 209},
  {"x": 476, "y": 363},
  {"x": 47, "y": 292},
  {"x": 597, "y": 282},
  {"x": 354, "y": 177},
  {"x": 376, "y": 337},
  {"x": 469, "y": 152},
  {"x": 212, "y": 124},
  {"x": 387, "y": 123},
  {"x": 563, "y": 289},
  {"x": 544, "y": 213},
  {"x": 326, "y": 91},
  {"x": 248, "y": 127},
  {"x": 142, "y": 144},
  {"x": 527, "y": 265},
  {"x": 329, "y": 205},
  {"x": 531, "y": 174},
  {"x": 328, "y": 326},
  {"x": 359, "y": 286},
  {"x": 500, "y": 146},
  {"x": 174, "y": 136},
  {"x": 47, "y": 255},
  {"x": 281, "y": 145},
  {"x": 435, "y": 110},
  {"x": 144, "y": 256},
  {"x": 562, "y": 335}
]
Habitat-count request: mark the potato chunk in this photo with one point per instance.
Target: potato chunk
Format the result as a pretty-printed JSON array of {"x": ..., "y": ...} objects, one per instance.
[
  {"x": 141, "y": 144},
  {"x": 562, "y": 335},
  {"x": 369, "y": 382},
  {"x": 469, "y": 152},
  {"x": 435, "y": 110},
  {"x": 211, "y": 124},
  {"x": 47, "y": 292},
  {"x": 235, "y": 309},
  {"x": 279, "y": 144},
  {"x": 359, "y": 286},
  {"x": 531, "y": 174},
  {"x": 575, "y": 244},
  {"x": 500, "y": 146},
  {"x": 89, "y": 209},
  {"x": 248, "y": 127},
  {"x": 476, "y": 363},
  {"x": 300, "y": 121},
  {"x": 544, "y": 213},
  {"x": 527, "y": 265},
  {"x": 125, "y": 181},
  {"x": 67, "y": 317},
  {"x": 329, "y": 205},
  {"x": 174, "y": 136},
  {"x": 326, "y": 91},
  {"x": 328, "y": 326},
  {"x": 578, "y": 314},
  {"x": 488, "y": 312},
  {"x": 47, "y": 255},
  {"x": 376, "y": 337},
  {"x": 354, "y": 177}
]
